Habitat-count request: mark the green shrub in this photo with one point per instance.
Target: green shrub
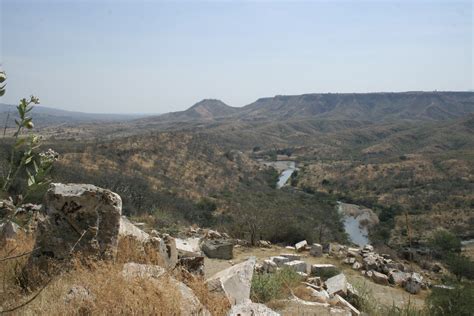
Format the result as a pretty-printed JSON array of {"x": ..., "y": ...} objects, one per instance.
[
  {"x": 458, "y": 301},
  {"x": 461, "y": 266},
  {"x": 270, "y": 286},
  {"x": 444, "y": 242}
]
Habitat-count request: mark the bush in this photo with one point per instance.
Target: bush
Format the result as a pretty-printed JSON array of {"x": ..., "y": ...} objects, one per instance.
[
  {"x": 270, "y": 286},
  {"x": 461, "y": 266},
  {"x": 457, "y": 301},
  {"x": 444, "y": 242}
]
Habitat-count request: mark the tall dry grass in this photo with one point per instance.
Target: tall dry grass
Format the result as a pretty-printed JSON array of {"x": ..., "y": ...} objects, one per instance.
[{"x": 100, "y": 288}]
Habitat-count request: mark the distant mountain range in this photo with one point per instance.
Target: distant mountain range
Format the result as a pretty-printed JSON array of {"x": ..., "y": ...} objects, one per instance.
[
  {"x": 435, "y": 106},
  {"x": 357, "y": 107},
  {"x": 45, "y": 115}
]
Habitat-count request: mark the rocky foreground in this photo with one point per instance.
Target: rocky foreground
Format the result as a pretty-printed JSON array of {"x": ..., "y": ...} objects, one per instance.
[{"x": 86, "y": 221}]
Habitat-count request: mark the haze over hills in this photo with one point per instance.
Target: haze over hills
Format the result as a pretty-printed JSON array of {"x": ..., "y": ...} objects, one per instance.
[{"x": 45, "y": 116}]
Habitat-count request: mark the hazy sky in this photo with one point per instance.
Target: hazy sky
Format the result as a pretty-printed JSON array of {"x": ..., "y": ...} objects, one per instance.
[{"x": 155, "y": 57}]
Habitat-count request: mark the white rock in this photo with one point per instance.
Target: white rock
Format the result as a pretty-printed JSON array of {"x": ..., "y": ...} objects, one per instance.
[
  {"x": 291, "y": 256},
  {"x": 128, "y": 229},
  {"x": 251, "y": 309},
  {"x": 234, "y": 282},
  {"x": 301, "y": 245},
  {"x": 279, "y": 260},
  {"x": 322, "y": 268},
  {"x": 297, "y": 265},
  {"x": 337, "y": 284},
  {"x": 316, "y": 250},
  {"x": 269, "y": 266},
  {"x": 188, "y": 247}
]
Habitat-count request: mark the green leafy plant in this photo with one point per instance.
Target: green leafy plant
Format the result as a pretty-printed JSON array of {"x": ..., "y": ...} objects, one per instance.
[
  {"x": 270, "y": 286},
  {"x": 25, "y": 157}
]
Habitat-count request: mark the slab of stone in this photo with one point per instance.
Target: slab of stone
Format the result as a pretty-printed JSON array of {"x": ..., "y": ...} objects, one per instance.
[
  {"x": 218, "y": 249},
  {"x": 291, "y": 256},
  {"x": 316, "y": 250},
  {"x": 322, "y": 269},
  {"x": 234, "y": 282},
  {"x": 269, "y": 266},
  {"x": 279, "y": 260},
  {"x": 301, "y": 245},
  {"x": 297, "y": 265},
  {"x": 337, "y": 285},
  {"x": 188, "y": 247},
  {"x": 380, "y": 278}
]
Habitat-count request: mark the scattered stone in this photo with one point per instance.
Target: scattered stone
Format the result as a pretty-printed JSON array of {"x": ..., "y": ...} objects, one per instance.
[
  {"x": 291, "y": 257},
  {"x": 264, "y": 244},
  {"x": 290, "y": 247},
  {"x": 218, "y": 249},
  {"x": 368, "y": 248},
  {"x": 315, "y": 281},
  {"x": 322, "y": 269},
  {"x": 337, "y": 285},
  {"x": 279, "y": 260},
  {"x": 380, "y": 278},
  {"x": 350, "y": 260},
  {"x": 339, "y": 312},
  {"x": 369, "y": 274},
  {"x": 270, "y": 266},
  {"x": 234, "y": 282},
  {"x": 316, "y": 250},
  {"x": 414, "y": 283},
  {"x": 301, "y": 246},
  {"x": 357, "y": 265},
  {"x": 188, "y": 247},
  {"x": 136, "y": 270},
  {"x": 7, "y": 208},
  {"x": 212, "y": 234},
  {"x": 353, "y": 252},
  {"x": 297, "y": 265},
  {"x": 251, "y": 309},
  {"x": 398, "y": 277}
]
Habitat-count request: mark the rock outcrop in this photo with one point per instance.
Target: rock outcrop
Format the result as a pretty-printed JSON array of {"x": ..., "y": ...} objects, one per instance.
[{"x": 234, "y": 282}]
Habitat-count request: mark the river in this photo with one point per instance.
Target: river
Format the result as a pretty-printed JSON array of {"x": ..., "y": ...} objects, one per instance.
[{"x": 357, "y": 221}]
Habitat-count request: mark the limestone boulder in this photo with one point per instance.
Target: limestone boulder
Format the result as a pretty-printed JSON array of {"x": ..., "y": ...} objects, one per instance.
[
  {"x": 398, "y": 277},
  {"x": 337, "y": 285},
  {"x": 279, "y": 260},
  {"x": 127, "y": 229},
  {"x": 188, "y": 247},
  {"x": 291, "y": 256},
  {"x": 269, "y": 266},
  {"x": 301, "y": 245},
  {"x": 234, "y": 282},
  {"x": 316, "y": 250},
  {"x": 81, "y": 218},
  {"x": 380, "y": 278},
  {"x": 322, "y": 269},
  {"x": 218, "y": 249},
  {"x": 414, "y": 283},
  {"x": 251, "y": 309},
  {"x": 297, "y": 265}
]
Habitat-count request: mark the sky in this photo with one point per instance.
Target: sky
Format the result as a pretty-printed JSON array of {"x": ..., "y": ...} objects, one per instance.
[{"x": 161, "y": 56}]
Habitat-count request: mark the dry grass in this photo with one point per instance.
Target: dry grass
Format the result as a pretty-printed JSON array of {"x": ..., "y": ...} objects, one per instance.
[
  {"x": 102, "y": 288},
  {"x": 217, "y": 304}
]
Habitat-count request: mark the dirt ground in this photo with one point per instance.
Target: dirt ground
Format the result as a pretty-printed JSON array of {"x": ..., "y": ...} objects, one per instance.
[{"x": 386, "y": 295}]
